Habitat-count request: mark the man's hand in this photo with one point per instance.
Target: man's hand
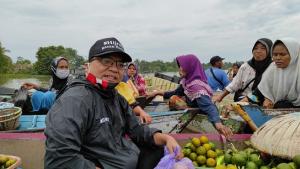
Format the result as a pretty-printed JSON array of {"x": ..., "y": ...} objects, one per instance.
[
  {"x": 268, "y": 104},
  {"x": 145, "y": 117},
  {"x": 169, "y": 142}
]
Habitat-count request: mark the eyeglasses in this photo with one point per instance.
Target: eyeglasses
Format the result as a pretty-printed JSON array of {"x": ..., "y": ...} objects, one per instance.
[{"x": 107, "y": 61}]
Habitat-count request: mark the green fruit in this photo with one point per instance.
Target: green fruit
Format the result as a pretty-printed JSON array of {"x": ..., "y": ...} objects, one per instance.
[
  {"x": 292, "y": 165},
  {"x": 213, "y": 146},
  {"x": 238, "y": 160},
  {"x": 227, "y": 158},
  {"x": 249, "y": 151},
  {"x": 251, "y": 165},
  {"x": 264, "y": 167},
  {"x": 193, "y": 156},
  {"x": 201, "y": 150},
  {"x": 3, "y": 159},
  {"x": 195, "y": 164},
  {"x": 219, "y": 152},
  {"x": 296, "y": 160},
  {"x": 190, "y": 146},
  {"x": 201, "y": 160},
  {"x": 255, "y": 158},
  {"x": 186, "y": 152},
  {"x": 244, "y": 154},
  {"x": 283, "y": 166}
]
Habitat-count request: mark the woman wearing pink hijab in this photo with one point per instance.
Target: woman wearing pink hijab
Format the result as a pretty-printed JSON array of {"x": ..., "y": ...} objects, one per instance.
[{"x": 194, "y": 87}]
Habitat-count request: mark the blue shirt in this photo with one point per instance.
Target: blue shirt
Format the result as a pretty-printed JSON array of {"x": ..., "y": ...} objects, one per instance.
[{"x": 220, "y": 75}]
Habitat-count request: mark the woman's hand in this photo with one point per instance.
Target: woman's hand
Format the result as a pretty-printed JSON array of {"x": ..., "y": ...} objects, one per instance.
[
  {"x": 223, "y": 129},
  {"x": 153, "y": 94},
  {"x": 268, "y": 104},
  {"x": 217, "y": 98},
  {"x": 29, "y": 86}
]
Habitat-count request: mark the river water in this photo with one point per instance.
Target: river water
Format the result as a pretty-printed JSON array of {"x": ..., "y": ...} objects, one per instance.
[{"x": 15, "y": 81}]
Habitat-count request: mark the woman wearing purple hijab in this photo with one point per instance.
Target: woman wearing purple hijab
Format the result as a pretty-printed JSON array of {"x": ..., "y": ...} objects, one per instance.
[{"x": 194, "y": 86}]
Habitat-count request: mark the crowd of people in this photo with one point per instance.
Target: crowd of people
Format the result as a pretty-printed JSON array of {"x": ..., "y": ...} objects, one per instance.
[{"x": 92, "y": 120}]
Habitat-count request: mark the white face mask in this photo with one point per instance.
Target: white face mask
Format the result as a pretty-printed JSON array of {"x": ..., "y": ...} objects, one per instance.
[{"x": 62, "y": 73}]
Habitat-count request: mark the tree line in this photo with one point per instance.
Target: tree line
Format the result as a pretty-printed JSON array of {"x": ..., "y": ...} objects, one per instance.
[
  {"x": 161, "y": 66},
  {"x": 45, "y": 56}
]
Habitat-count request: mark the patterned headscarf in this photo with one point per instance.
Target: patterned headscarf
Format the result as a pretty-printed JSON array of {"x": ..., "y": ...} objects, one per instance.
[{"x": 195, "y": 82}]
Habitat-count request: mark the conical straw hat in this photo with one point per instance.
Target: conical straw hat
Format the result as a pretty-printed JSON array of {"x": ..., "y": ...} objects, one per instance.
[{"x": 280, "y": 136}]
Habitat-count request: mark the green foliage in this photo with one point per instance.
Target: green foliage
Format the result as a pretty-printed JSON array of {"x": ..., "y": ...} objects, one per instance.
[
  {"x": 156, "y": 66},
  {"x": 45, "y": 55},
  {"x": 22, "y": 66},
  {"x": 161, "y": 66},
  {"x": 5, "y": 61}
]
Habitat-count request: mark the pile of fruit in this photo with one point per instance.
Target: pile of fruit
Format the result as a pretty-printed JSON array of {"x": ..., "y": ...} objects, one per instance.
[
  {"x": 202, "y": 152},
  {"x": 250, "y": 158},
  {"x": 6, "y": 161}
]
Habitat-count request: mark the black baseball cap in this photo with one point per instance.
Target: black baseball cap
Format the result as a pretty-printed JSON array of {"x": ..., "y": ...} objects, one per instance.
[
  {"x": 215, "y": 59},
  {"x": 107, "y": 46}
]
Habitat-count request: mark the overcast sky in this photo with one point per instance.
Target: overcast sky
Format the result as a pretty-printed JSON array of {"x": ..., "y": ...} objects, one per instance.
[{"x": 149, "y": 30}]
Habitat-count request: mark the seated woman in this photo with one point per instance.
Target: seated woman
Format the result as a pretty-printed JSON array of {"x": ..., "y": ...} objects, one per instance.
[
  {"x": 194, "y": 86},
  {"x": 233, "y": 71},
  {"x": 124, "y": 90},
  {"x": 137, "y": 79},
  {"x": 279, "y": 87},
  {"x": 250, "y": 73},
  {"x": 43, "y": 98}
]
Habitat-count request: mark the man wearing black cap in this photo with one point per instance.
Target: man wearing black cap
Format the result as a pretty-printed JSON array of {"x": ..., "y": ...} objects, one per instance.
[
  {"x": 91, "y": 125},
  {"x": 217, "y": 78}
]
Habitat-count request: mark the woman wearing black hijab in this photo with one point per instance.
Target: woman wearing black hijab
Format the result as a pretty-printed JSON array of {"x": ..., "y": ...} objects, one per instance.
[
  {"x": 43, "y": 98},
  {"x": 250, "y": 73}
]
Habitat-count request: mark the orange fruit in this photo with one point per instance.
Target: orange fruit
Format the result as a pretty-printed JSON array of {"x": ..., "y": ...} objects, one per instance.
[
  {"x": 211, "y": 154},
  {"x": 196, "y": 142},
  {"x": 207, "y": 146},
  {"x": 210, "y": 162},
  {"x": 203, "y": 139}
]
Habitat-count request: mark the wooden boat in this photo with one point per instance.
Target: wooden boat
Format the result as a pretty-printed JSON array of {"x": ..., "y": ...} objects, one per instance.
[
  {"x": 161, "y": 82},
  {"x": 256, "y": 116},
  {"x": 29, "y": 123},
  {"x": 31, "y": 146}
]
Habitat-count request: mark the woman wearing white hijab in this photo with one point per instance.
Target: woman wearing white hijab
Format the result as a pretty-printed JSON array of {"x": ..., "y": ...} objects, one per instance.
[{"x": 280, "y": 84}]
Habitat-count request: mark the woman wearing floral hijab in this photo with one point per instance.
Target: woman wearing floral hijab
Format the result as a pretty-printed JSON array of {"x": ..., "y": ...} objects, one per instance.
[
  {"x": 132, "y": 74},
  {"x": 194, "y": 86},
  {"x": 280, "y": 84}
]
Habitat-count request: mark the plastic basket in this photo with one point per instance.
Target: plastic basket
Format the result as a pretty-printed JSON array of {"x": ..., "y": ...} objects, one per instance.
[{"x": 9, "y": 118}]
